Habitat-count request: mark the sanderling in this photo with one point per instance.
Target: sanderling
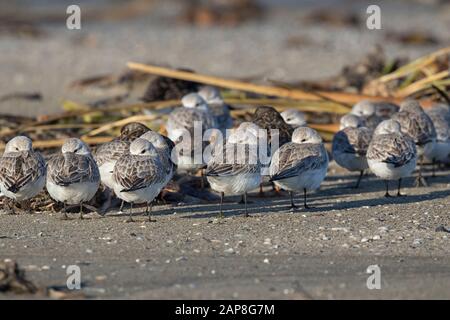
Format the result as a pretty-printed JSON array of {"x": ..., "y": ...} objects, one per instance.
[
  {"x": 132, "y": 130},
  {"x": 163, "y": 88},
  {"x": 301, "y": 164},
  {"x": 267, "y": 118},
  {"x": 164, "y": 148},
  {"x": 418, "y": 125},
  {"x": 194, "y": 109},
  {"x": 73, "y": 177},
  {"x": 295, "y": 118},
  {"x": 367, "y": 111},
  {"x": 350, "y": 145},
  {"x": 385, "y": 110},
  {"x": 181, "y": 130},
  {"x": 440, "y": 116},
  {"x": 351, "y": 120},
  {"x": 108, "y": 153},
  {"x": 235, "y": 168},
  {"x": 139, "y": 175},
  {"x": 219, "y": 109},
  {"x": 391, "y": 154},
  {"x": 22, "y": 170}
]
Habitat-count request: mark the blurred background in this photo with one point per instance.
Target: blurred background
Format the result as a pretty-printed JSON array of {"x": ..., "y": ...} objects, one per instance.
[{"x": 264, "y": 41}]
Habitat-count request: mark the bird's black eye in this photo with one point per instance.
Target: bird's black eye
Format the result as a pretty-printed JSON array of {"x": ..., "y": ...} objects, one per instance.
[
  {"x": 143, "y": 151},
  {"x": 303, "y": 140},
  {"x": 17, "y": 149}
]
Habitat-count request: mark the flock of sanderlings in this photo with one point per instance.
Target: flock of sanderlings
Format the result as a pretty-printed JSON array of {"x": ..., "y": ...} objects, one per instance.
[{"x": 383, "y": 137}]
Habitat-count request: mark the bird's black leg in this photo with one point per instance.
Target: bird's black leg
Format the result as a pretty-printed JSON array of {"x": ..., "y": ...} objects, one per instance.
[
  {"x": 130, "y": 218},
  {"x": 221, "y": 204},
  {"x": 65, "y": 217},
  {"x": 359, "y": 179},
  {"x": 420, "y": 180},
  {"x": 81, "y": 210},
  {"x": 148, "y": 210},
  {"x": 261, "y": 191},
  {"x": 304, "y": 199},
  {"x": 121, "y": 206},
  {"x": 245, "y": 203},
  {"x": 293, "y": 206},
  {"x": 387, "y": 195},
  {"x": 399, "y": 194},
  {"x": 202, "y": 179}
]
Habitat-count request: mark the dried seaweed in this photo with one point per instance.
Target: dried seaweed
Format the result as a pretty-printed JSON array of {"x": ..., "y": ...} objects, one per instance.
[
  {"x": 13, "y": 280},
  {"x": 221, "y": 13},
  {"x": 32, "y": 96},
  {"x": 164, "y": 88}
]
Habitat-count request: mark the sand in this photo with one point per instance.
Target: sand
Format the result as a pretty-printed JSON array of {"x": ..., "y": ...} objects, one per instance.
[{"x": 321, "y": 253}]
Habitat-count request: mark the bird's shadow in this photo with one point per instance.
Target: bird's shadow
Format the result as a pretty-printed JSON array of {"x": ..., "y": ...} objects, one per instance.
[
  {"x": 319, "y": 201},
  {"x": 282, "y": 204}
]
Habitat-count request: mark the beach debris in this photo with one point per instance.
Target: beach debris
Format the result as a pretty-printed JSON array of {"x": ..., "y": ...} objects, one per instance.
[
  {"x": 221, "y": 13},
  {"x": 415, "y": 37},
  {"x": 13, "y": 280},
  {"x": 31, "y": 96},
  {"x": 164, "y": 88},
  {"x": 443, "y": 228},
  {"x": 333, "y": 18}
]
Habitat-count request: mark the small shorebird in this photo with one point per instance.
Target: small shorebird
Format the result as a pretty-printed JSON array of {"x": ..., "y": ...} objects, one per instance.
[
  {"x": 163, "y": 88},
  {"x": 300, "y": 165},
  {"x": 139, "y": 175},
  {"x": 22, "y": 170},
  {"x": 219, "y": 109},
  {"x": 268, "y": 118},
  {"x": 293, "y": 117},
  {"x": 181, "y": 128},
  {"x": 351, "y": 121},
  {"x": 194, "y": 109},
  {"x": 163, "y": 146},
  {"x": 108, "y": 153},
  {"x": 278, "y": 132},
  {"x": 349, "y": 146},
  {"x": 73, "y": 177},
  {"x": 385, "y": 110},
  {"x": 440, "y": 115},
  {"x": 367, "y": 111},
  {"x": 418, "y": 125},
  {"x": 391, "y": 154},
  {"x": 235, "y": 169}
]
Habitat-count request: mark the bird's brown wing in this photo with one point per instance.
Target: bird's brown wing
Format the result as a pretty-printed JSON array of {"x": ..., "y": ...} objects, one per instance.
[
  {"x": 111, "y": 151},
  {"x": 69, "y": 168},
  {"x": 136, "y": 172},
  {"x": 19, "y": 169},
  {"x": 294, "y": 159},
  {"x": 395, "y": 149},
  {"x": 236, "y": 159}
]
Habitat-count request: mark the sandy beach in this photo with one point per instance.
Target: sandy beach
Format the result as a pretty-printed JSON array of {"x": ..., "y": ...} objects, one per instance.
[{"x": 188, "y": 253}]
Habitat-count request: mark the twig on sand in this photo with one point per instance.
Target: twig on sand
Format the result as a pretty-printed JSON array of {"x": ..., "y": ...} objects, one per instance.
[
  {"x": 88, "y": 110},
  {"x": 282, "y": 104},
  {"x": 120, "y": 123},
  {"x": 295, "y": 94}
]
